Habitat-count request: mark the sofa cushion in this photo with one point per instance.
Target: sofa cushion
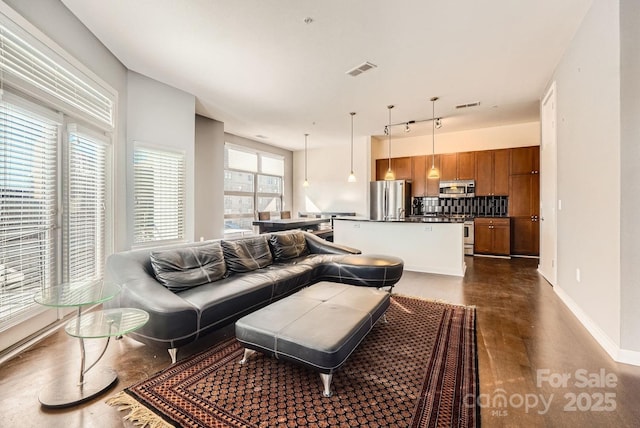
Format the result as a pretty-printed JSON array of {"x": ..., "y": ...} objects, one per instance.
[
  {"x": 289, "y": 245},
  {"x": 246, "y": 255},
  {"x": 182, "y": 268}
]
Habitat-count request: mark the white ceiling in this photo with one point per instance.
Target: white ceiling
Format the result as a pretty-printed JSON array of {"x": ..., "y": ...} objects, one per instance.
[{"x": 258, "y": 67}]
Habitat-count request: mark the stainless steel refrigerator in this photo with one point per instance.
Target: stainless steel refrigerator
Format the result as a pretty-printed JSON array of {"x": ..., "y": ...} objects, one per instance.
[{"x": 389, "y": 200}]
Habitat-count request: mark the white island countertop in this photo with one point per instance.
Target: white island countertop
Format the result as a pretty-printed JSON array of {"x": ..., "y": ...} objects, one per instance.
[{"x": 433, "y": 247}]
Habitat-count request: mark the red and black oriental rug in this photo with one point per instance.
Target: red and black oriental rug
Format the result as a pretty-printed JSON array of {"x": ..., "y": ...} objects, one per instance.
[{"x": 417, "y": 370}]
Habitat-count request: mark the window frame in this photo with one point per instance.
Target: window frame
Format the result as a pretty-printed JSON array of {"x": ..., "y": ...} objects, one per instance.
[{"x": 255, "y": 194}]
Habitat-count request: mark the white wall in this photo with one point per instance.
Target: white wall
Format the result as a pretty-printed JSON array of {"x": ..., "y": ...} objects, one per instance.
[
  {"x": 588, "y": 139},
  {"x": 164, "y": 117},
  {"x": 327, "y": 172},
  {"x": 209, "y": 178},
  {"x": 630, "y": 174}
]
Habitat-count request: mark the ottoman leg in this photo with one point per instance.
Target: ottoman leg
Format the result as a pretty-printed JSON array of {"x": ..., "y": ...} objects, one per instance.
[
  {"x": 326, "y": 382},
  {"x": 247, "y": 353}
]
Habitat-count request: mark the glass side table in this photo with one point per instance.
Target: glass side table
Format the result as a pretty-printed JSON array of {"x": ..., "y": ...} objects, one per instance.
[{"x": 96, "y": 324}]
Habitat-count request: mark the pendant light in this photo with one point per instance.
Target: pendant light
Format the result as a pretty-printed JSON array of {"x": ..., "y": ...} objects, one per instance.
[
  {"x": 389, "y": 175},
  {"x": 352, "y": 177},
  {"x": 306, "y": 182},
  {"x": 433, "y": 172}
]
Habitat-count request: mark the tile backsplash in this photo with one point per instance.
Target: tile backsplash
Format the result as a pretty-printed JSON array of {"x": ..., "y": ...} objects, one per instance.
[{"x": 479, "y": 206}]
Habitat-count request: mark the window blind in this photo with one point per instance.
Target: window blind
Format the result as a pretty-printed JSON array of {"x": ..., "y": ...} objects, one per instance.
[
  {"x": 159, "y": 192},
  {"x": 28, "y": 202},
  {"x": 84, "y": 206},
  {"x": 27, "y": 61}
]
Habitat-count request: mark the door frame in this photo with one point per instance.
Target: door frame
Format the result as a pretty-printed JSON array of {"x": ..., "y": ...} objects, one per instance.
[{"x": 548, "y": 266}]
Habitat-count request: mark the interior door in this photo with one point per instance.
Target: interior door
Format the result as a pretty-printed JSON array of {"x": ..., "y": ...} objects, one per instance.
[{"x": 548, "y": 266}]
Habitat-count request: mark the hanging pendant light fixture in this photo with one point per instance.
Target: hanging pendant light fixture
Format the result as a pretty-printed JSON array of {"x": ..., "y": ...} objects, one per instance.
[
  {"x": 306, "y": 182},
  {"x": 433, "y": 172},
  {"x": 389, "y": 175},
  {"x": 352, "y": 176}
]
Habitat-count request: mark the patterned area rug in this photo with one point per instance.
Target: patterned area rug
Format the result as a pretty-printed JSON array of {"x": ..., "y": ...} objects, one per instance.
[{"x": 417, "y": 370}]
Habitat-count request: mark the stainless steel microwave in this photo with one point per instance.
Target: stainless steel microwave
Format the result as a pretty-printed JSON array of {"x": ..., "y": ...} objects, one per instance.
[{"x": 457, "y": 188}]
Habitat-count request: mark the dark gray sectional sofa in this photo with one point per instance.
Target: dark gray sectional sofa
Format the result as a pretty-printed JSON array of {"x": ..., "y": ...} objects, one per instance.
[{"x": 192, "y": 289}]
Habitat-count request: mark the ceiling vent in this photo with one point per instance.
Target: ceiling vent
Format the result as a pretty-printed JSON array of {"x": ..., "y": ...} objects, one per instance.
[
  {"x": 366, "y": 66},
  {"x": 477, "y": 103}
]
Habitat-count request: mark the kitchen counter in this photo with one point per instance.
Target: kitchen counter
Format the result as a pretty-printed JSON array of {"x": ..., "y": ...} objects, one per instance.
[
  {"x": 411, "y": 219},
  {"x": 425, "y": 246}
]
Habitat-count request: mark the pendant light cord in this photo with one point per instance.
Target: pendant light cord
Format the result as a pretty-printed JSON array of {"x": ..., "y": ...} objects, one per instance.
[
  {"x": 389, "y": 134},
  {"x": 305, "y": 156},
  {"x": 352, "y": 114}
]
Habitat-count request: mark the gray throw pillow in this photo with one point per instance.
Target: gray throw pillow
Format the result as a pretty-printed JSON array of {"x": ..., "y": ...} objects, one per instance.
[
  {"x": 182, "y": 268},
  {"x": 288, "y": 245},
  {"x": 245, "y": 255}
]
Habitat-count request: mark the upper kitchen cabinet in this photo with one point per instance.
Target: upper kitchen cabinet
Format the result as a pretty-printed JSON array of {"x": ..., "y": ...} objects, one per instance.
[
  {"x": 419, "y": 177},
  {"x": 458, "y": 166},
  {"x": 492, "y": 172},
  {"x": 401, "y": 168},
  {"x": 525, "y": 160},
  {"x": 421, "y": 184},
  {"x": 433, "y": 184}
]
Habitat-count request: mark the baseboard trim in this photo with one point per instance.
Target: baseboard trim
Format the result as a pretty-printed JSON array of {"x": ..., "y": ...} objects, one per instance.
[{"x": 615, "y": 352}]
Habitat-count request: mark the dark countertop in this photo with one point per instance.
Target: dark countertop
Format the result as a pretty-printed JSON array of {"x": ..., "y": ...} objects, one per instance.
[{"x": 411, "y": 219}]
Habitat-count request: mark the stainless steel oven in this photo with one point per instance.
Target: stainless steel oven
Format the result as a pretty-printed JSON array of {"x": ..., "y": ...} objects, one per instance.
[{"x": 468, "y": 237}]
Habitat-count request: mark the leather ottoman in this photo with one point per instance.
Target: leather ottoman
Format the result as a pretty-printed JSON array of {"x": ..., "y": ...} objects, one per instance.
[{"x": 318, "y": 327}]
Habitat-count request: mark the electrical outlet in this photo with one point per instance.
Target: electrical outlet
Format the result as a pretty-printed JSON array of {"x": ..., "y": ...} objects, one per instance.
[
  {"x": 428, "y": 228},
  {"x": 578, "y": 274}
]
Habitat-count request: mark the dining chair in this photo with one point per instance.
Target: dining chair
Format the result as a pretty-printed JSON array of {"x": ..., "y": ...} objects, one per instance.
[
  {"x": 264, "y": 215},
  {"x": 285, "y": 214}
]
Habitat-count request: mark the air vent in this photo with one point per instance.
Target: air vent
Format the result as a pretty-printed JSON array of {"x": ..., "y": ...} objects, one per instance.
[
  {"x": 477, "y": 103},
  {"x": 366, "y": 66}
]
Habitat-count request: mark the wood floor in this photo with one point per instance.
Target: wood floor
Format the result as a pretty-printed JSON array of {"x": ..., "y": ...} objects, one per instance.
[{"x": 528, "y": 343}]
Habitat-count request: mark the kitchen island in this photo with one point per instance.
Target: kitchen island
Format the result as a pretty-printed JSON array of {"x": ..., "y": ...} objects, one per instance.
[{"x": 425, "y": 245}]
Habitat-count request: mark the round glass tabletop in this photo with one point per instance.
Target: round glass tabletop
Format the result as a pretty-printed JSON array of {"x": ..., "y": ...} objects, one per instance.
[
  {"x": 77, "y": 294},
  {"x": 107, "y": 323}
]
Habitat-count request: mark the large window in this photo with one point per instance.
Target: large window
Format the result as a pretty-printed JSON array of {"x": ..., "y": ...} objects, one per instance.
[
  {"x": 85, "y": 189},
  {"x": 28, "y": 206},
  {"x": 32, "y": 257},
  {"x": 159, "y": 191},
  {"x": 55, "y": 222},
  {"x": 253, "y": 181}
]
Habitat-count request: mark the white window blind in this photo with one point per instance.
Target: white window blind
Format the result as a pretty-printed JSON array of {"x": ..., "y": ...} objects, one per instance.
[
  {"x": 23, "y": 59},
  {"x": 84, "y": 205},
  {"x": 159, "y": 192},
  {"x": 28, "y": 202}
]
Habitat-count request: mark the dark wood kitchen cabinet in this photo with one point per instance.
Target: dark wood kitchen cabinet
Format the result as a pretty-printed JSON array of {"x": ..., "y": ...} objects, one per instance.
[
  {"x": 524, "y": 201},
  {"x": 419, "y": 176},
  {"x": 401, "y": 167},
  {"x": 525, "y": 160},
  {"x": 433, "y": 184},
  {"x": 458, "y": 166},
  {"x": 492, "y": 172},
  {"x": 492, "y": 236}
]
